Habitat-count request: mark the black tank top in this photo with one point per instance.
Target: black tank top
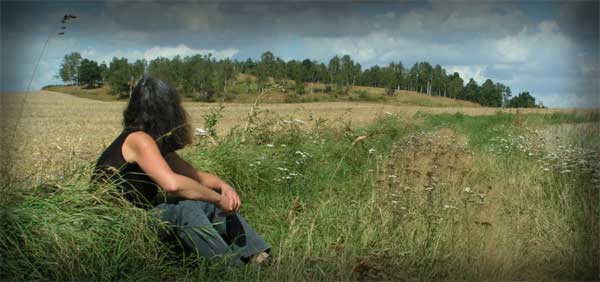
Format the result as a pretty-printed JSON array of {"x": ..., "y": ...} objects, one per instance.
[{"x": 129, "y": 178}]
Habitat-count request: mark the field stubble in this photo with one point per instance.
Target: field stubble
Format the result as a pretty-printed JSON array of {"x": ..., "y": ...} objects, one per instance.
[{"x": 55, "y": 132}]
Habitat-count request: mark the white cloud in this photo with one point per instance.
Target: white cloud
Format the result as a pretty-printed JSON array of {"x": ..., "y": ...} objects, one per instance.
[
  {"x": 543, "y": 45},
  {"x": 183, "y": 50},
  {"x": 514, "y": 48},
  {"x": 167, "y": 52},
  {"x": 88, "y": 53},
  {"x": 378, "y": 48},
  {"x": 468, "y": 71},
  {"x": 548, "y": 26},
  {"x": 568, "y": 100}
]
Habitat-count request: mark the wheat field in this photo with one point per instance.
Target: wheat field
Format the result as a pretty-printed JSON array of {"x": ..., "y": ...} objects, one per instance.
[{"x": 57, "y": 131}]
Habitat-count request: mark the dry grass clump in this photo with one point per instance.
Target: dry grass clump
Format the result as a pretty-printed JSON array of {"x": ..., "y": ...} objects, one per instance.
[{"x": 487, "y": 209}]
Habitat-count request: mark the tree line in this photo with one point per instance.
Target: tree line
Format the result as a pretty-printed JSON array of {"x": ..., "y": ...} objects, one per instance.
[{"x": 202, "y": 76}]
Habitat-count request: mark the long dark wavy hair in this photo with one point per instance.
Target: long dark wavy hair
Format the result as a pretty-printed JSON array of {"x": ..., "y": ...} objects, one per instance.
[{"x": 155, "y": 108}]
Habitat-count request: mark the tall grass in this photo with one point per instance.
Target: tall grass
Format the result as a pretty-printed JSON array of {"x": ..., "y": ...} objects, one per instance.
[{"x": 433, "y": 199}]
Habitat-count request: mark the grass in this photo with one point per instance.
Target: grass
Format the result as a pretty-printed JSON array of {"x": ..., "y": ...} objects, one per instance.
[{"x": 434, "y": 197}]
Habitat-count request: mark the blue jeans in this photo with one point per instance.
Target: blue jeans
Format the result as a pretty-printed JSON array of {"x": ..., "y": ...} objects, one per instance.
[{"x": 205, "y": 229}]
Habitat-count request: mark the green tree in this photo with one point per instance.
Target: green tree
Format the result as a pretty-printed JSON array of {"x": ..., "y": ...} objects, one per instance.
[
  {"x": 169, "y": 71},
  {"x": 439, "y": 81},
  {"x": 490, "y": 94},
  {"x": 299, "y": 87},
  {"x": 267, "y": 63},
  {"x": 505, "y": 92},
  {"x": 119, "y": 76},
  {"x": 198, "y": 77},
  {"x": 470, "y": 91},
  {"x": 334, "y": 70},
  {"x": 455, "y": 85},
  {"x": 89, "y": 73},
  {"x": 68, "y": 69},
  {"x": 104, "y": 72},
  {"x": 138, "y": 68},
  {"x": 347, "y": 70},
  {"x": 223, "y": 73},
  {"x": 523, "y": 100}
]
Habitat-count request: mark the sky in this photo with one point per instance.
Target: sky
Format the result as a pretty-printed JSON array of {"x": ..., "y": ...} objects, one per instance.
[{"x": 547, "y": 48}]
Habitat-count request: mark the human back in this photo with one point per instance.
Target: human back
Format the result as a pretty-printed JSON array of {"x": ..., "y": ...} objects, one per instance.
[
  {"x": 154, "y": 110},
  {"x": 142, "y": 162}
]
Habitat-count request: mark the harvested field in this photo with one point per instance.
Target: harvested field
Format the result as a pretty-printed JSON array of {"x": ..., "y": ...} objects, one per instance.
[{"x": 55, "y": 127}]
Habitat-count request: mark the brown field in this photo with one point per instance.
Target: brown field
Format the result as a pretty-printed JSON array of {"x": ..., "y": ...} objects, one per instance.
[{"x": 54, "y": 127}]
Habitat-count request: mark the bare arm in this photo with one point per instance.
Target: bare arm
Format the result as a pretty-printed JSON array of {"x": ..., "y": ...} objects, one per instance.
[
  {"x": 180, "y": 166},
  {"x": 140, "y": 148}
]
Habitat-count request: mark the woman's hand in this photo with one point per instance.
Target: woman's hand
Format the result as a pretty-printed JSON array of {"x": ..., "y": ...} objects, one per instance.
[
  {"x": 230, "y": 193},
  {"x": 225, "y": 204}
]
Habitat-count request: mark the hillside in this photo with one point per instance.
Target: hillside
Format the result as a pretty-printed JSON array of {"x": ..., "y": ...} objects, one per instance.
[{"x": 243, "y": 90}]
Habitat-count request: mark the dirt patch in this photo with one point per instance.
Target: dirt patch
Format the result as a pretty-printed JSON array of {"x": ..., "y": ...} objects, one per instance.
[{"x": 379, "y": 268}]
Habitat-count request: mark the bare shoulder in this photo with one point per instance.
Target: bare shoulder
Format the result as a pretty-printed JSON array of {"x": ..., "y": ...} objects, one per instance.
[{"x": 135, "y": 143}]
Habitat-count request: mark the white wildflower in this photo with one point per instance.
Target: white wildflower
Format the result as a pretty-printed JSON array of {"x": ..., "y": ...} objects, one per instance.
[{"x": 200, "y": 132}]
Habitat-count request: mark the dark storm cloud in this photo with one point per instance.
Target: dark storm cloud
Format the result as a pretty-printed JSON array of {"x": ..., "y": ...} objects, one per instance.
[
  {"x": 318, "y": 19},
  {"x": 244, "y": 19},
  {"x": 580, "y": 20}
]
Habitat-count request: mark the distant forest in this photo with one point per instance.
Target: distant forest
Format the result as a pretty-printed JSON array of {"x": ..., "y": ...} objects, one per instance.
[{"x": 202, "y": 76}]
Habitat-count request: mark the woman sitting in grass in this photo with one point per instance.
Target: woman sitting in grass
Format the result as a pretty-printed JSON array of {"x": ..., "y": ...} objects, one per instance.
[{"x": 141, "y": 161}]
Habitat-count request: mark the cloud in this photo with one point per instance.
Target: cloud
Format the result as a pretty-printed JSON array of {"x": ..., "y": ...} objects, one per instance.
[
  {"x": 183, "y": 50},
  {"x": 161, "y": 51},
  {"x": 569, "y": 100},
  {"x": 380, "y": 48},
  {"x": 513, "y": 49},
  {"x": 469, "y": 71}
]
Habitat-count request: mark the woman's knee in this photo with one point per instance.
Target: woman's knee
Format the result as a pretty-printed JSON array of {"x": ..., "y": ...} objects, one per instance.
[{"x": 192, "y": 213}]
